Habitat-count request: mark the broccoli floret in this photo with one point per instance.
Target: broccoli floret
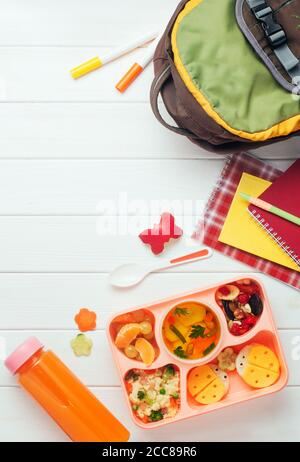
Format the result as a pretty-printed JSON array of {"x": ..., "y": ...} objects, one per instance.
[
  {"x": 155, "y": 416},
  {"x": 141, "y": 395},
  {"x": 169, "y": 371}
]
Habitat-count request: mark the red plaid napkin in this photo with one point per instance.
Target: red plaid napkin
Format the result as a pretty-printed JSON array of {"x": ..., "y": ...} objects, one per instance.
[{"x": 217, "y": 207}]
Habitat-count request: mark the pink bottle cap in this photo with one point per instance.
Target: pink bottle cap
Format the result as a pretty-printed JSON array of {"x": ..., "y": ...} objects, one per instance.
[{"x": 24, "y": 352}]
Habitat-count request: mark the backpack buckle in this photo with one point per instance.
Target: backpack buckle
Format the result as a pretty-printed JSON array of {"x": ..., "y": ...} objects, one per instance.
[
  {"x": 277, "y": 39},
  {"x": 274, "y": 32}
]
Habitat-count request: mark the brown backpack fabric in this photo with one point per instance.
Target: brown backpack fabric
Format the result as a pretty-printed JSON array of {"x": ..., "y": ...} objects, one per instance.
[{"x": 192, "y": 119}]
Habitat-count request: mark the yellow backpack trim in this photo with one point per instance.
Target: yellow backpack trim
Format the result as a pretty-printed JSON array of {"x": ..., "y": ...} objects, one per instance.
[{"x": 283, "y": 128}]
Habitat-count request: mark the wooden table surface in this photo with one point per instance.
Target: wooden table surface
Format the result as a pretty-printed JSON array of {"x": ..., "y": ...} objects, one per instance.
[{"x": 70, "y": 149}]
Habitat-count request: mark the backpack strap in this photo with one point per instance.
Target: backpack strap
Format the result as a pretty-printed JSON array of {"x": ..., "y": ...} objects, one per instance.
[
  {"x": 276, "y": 37},
  {"x": 156, "y": 88}
]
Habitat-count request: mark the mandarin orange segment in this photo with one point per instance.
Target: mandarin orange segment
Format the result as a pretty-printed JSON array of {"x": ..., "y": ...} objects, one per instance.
[
  {"x": 127, "y": 334},
  {"x": 146, "y": 351},
  {"x": 124, "y": 319}
]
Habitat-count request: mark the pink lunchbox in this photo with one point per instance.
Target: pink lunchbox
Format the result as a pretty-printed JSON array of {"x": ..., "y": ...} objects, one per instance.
[{"x": 264, "y": 332}]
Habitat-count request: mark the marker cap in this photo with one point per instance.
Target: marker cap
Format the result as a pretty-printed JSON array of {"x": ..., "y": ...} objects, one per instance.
[
  {"x": 86, "y": 67},
  {"x": 129, "y": 77}
]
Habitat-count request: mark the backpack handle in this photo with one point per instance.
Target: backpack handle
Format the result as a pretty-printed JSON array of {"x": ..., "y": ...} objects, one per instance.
[{"x": 156, "y": 88}]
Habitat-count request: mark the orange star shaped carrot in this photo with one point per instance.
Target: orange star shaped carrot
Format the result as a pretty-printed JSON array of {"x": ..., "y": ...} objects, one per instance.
[{"x": 86, "y": 320}]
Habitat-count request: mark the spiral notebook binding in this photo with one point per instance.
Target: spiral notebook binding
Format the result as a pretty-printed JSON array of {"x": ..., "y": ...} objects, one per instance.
[{"x": 272, "y": 233}]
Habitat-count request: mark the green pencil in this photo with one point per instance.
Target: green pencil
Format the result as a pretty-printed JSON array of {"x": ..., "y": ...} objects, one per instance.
[{"x": 271, "y": 208}]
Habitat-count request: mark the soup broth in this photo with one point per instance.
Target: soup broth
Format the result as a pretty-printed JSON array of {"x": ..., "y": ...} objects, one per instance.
[{"x": 191, "y": 331}]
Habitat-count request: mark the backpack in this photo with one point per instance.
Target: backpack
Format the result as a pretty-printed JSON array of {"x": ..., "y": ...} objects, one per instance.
[{"x": 228, "y": 72}]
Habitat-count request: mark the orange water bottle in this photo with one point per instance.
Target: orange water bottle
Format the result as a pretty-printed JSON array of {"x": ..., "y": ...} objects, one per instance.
[{"x": 74, "y": 408}]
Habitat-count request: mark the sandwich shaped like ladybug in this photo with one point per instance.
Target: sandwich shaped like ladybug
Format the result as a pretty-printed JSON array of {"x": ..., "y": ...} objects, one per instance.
[
  {"x": 208, "y": 384},
  {"x": 258, "y": 366}
]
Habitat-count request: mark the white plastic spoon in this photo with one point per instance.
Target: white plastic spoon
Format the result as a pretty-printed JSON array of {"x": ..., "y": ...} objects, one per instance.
[{"x": 132, "y": 273}]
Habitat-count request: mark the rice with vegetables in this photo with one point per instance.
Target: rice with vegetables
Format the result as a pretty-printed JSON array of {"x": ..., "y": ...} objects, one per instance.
[{"x": 154, "y": 395}]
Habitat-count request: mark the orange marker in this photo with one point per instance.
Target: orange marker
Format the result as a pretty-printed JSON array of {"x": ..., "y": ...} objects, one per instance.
[{"x": 137, "y": 67}]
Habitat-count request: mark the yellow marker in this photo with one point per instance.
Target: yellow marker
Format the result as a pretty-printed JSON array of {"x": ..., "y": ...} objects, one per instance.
[
  {"x": 96, "y": 63},
  {"x": 85, "y": 68}
]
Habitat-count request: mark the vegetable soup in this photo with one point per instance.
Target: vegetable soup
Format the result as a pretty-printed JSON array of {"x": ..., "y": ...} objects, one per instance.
[{"x": 191, "y": 331}]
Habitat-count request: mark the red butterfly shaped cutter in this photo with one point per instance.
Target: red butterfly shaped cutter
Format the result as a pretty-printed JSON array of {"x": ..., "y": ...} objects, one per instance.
[{"x": 161, "y": 234}]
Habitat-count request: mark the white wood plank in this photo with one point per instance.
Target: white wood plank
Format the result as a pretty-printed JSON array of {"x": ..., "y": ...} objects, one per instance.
[
  {"x": 100, "y": 131},
  {"x": 72, "y": 22},
  {"x": 81, "y": 187},
  {"x": 77, "y": 187},
  {"x": 46, "y": 76},
  {"x": 50, "y": 301},
  {"x": 99, "y": 368},
  {"x": 273, "y": 419},
  {"x": 74, "y": 244},
  {"x": 61, "y": 187}
]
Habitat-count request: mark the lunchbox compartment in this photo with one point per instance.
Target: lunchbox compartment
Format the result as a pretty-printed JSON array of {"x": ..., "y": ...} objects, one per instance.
[
  {"x": 238, "y": 390},
  {"x": 242, "y": 303},
  {"x": 181, "y": 327},
  {"x": 136, "y": 317},
  {"x": 145, "y": 381}
]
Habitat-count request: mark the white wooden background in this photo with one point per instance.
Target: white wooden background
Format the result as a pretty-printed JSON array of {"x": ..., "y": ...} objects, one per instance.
[{"x": 65, "y": 146}]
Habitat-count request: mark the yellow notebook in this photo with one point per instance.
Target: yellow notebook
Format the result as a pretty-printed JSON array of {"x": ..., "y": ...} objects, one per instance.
[{"x": 242, "y": 231}]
